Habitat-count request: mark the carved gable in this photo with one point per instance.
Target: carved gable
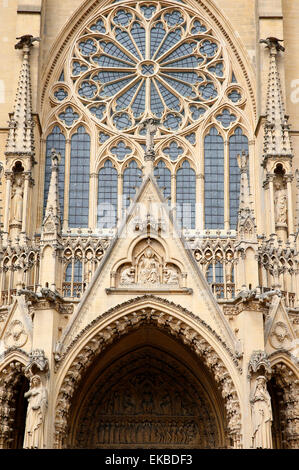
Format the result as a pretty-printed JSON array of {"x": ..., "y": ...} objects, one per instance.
[
  {"x": 17, "y": 328},
  {"x": 279, "y": 332},
  {"x": 148, "y": 255}
]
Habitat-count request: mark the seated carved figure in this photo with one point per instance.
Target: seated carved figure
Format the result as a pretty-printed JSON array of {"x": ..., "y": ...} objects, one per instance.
[
  {"x": 171, "y": 276},
  {"x": 149, "y": 269},
  {"x": 128, "y": 276}
]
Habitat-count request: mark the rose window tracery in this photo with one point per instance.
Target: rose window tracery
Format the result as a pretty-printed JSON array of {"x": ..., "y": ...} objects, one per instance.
[{"x": 141, "y": 60}]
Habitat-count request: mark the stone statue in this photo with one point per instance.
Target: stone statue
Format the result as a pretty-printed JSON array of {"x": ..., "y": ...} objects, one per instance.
[
  {"x": 151, "y": 126},
  {"x": 281, "y": 204},
  {"x": 17, "y": 201},
  {"x": 128, "y": 276},
  {"x": 149, "y": 268},
  {"x": 36, "y": 411},
  {"x": 243, "y": 160},
  {"x": 261, "y": 412}
]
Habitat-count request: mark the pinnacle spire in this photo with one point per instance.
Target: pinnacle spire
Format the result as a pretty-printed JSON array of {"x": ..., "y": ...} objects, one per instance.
[
  {"x": 277, "y": 139},
  {"x": 246, "y": 219},
  {"x": 20, "y": 136},
  {"x": 53, "y": 208}
]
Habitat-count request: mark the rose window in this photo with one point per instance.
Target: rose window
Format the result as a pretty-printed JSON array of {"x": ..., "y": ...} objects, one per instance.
[{"x": 140, "y": 61}]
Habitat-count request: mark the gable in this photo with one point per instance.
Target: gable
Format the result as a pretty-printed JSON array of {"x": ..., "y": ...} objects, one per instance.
[
  {"x": 148, "y": 255},
  {"x": 279, "y": 332},
  {"x": 17, "y": 329}
]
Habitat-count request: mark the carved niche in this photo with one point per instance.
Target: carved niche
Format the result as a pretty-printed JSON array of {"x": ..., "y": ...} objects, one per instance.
[
  {"x": 149, "y": 268},
  {"x": 146, "y": 400}
]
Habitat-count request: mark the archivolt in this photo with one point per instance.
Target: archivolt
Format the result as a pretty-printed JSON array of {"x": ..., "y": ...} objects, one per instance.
[
  {"x": 10, "y": 375},
  {"x": 177, "y": 322}
]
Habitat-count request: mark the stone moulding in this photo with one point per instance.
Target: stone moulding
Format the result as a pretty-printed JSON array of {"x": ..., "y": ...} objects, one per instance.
[
  {"x": 135, "y": 301},
  {"x": 100, "y": 339}
]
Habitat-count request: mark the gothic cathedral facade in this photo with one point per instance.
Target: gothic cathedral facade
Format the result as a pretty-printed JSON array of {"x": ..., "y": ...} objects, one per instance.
[{"x": 149, "y": 277}]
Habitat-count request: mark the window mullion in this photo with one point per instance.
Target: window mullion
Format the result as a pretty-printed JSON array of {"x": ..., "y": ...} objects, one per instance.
[
  {"x": 67, "y": 183},
  {"x": 93, "y": 199},
  {"x": 226, "y": 186}
]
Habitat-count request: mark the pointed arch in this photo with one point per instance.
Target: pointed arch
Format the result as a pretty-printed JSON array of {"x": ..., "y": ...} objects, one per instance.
[
  {"x": 78, "y": 210},
  {"x": 148, "y": 309},
  {"x": 214, "y": 179}
]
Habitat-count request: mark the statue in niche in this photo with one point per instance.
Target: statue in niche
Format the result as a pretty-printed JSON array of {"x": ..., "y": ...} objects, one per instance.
[
  {"x": 171, "y": 276},
  {"x": 36, "y": 411},
  {"x": 281, "y": 203},
  {"x": 262, "y": 417},
  {"x": 17, "y": 201},
  {"x": 149, "y": 268},
  {"x": 128, "y": 276}
]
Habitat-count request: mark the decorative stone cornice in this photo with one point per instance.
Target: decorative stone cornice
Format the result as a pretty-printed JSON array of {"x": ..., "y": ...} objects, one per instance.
[{"x": 46, "y": 299}]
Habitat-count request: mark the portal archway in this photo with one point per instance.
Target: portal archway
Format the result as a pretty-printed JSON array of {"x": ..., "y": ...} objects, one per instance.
[
  {"x": 147, "y": 391},
  {"x": 88, "y": 348}
]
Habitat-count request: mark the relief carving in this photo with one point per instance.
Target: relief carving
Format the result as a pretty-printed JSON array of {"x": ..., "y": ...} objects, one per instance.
[
  {"x": 136, "y": 404},
  {"x": 280, "y": 337},
  {"x": 148, "y": 272},
  {"x": 148, "y": 268},
  {"x": 15, "y": 336},
  {"x": 281, "y": 202}
]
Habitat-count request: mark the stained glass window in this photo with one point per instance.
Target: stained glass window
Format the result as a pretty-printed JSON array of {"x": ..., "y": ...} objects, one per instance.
[
  {"x": 55, "y": 140},
  {"x": 237, "y": 143},
  {"x": 149, "y": 64},
  {"x": 214, "y": 180},
  {"x": 107, "y": 196},
  {"x": 163, "y": 175},
  {"x": 79, "y": 179},
  {"x": 215, "y": 273},
  {"x": 77, "y": 277},
  {"x": 186, "y": 195},
  {"x": 131, "y": 181}
]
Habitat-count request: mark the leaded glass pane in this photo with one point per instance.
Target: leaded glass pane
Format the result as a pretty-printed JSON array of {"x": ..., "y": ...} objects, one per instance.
[
  {"x": 55, "y": 140},
  {"x": 163, "y": 176},
  {"x": 77, "y": 272},
  {"x": 186, "y": 196},
  {"x": 237, "y": 143},
  {"x": 79, "y": 179},
  {"x": 214, "y": 180},
  {"x": 131, "y": 180},
  {"x": 107, "y": 196},
  {"x": 68, "y": 273}
]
